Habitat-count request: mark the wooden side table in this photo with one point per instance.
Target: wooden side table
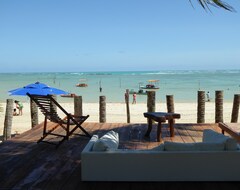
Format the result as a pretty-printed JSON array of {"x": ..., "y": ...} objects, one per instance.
[{"x": 160, "y": 117}]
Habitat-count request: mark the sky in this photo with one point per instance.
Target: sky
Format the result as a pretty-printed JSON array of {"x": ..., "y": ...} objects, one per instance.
[{"x": 117, "y": 35}]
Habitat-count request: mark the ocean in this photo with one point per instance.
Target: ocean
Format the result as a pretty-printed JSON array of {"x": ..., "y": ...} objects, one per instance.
[{"x": 182, "y": 84}]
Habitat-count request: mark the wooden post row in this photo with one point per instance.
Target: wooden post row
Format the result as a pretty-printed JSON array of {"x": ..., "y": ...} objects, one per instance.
[
  {"x": 151, "y": 101},
  {"x": 201, "y": 107},
  {"x": 102, "y": 109},
  {"x": 78, "y": 106},
  {"x": 235, "y": 109},
  {"x": 34, "y": 113},
  {"x": 218, "y": 106},
  {"x": 8, "y": 120},
  {"x": 127, "y": 105},
  {"x": 170, "y": 103}
]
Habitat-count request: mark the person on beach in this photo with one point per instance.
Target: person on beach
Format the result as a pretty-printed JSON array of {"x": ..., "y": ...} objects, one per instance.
[
  {"x": 134, "y": 98},
  {"x": 15, "y": 112},
  {"x": 208, "y": 96},
  {"x": 19, "y": 106}
]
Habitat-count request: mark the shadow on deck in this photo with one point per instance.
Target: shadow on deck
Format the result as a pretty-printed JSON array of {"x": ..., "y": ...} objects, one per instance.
[{"x": 24, "y": 164}]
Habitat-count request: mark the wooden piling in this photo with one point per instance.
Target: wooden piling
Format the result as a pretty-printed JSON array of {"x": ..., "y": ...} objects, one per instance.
[
  {"x": 235, "y": 109},
  {"x": 218, "y": 106},
  {"x": 127, "y": 105},
  {"x": 102, "y": 109},
  {"x": 170, "y": 103},
  {"x": 34, "y": 113},
  {"x": 151, "y": 105},
  {"x": 8, "y": 120},
  {"x": 170, "y": 109},
  {"x": 78, "y": 106},
  {"x": 201, "y": 107},
  {"x": 151, "y": 101}
]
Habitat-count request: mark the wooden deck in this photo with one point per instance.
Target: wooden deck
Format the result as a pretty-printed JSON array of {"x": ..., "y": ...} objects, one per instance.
[{"x": 24, "y": 164}]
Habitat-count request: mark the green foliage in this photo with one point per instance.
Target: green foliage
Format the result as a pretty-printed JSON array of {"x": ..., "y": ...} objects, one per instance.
[{"x": 216, "y": 3}]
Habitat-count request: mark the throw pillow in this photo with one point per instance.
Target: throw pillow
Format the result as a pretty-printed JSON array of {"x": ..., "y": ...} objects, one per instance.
[
  {"x": 158, "y": 148},
  {"x": 210, "y": 136},
  {"x": 109, "y": 141}
]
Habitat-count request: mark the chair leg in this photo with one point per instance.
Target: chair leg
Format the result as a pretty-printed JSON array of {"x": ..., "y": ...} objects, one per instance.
[
  {"x": 68, "y": 129},
  {"x": 44, "y": 130}
]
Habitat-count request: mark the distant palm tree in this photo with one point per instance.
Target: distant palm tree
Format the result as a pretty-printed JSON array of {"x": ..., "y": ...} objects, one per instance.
[{"x": 217, "y": 3}]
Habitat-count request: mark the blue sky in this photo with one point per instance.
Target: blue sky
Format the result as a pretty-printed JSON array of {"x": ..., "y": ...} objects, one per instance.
[{"x": 116, "y": 35}]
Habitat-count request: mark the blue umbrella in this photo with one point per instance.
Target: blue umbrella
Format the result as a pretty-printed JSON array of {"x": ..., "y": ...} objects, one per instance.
[{"x": 37, "y": 89}]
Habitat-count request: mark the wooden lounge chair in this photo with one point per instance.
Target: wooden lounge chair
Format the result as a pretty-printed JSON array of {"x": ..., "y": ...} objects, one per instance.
[
  {"x": 48, "y": 106},
  {"x": 233, "y": 129}
]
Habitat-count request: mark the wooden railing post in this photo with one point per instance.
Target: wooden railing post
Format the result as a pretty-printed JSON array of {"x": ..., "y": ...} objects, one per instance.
[
  {"x": 8, "y": 120},
  {"x": 201, "y": 107},
  {"x": 235, "y": 109},
  {"x": 151, "y": 101},
  {"x": 151, "y": 105},
  {"x": 102, "y": 109},
  {"x": 34, "y": 113},
  {"x": 78, "y": 106},
  {"x": 127, "y": 105},
  {"x": 170, "y": 103},
  {"x": 218, "y": 106}
]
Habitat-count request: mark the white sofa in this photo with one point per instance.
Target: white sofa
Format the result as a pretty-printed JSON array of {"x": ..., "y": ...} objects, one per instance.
[{"x": 217, "y": 158}]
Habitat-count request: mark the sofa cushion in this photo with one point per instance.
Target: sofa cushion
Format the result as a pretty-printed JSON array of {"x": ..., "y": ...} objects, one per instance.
[
  {"x": 109, "y": 141},
  {"x": 158, "y": 148},
  {"x": 175, "y": 146},
  {"x": 210, "y": 136},
  {"x": 201, "y": 146}
]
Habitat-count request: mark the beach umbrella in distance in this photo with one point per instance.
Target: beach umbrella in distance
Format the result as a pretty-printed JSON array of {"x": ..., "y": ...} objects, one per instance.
[{"x": 37, "y": 89}]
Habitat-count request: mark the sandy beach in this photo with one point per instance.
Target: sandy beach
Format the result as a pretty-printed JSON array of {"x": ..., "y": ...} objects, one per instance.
[{"x": 116, "y": 113}]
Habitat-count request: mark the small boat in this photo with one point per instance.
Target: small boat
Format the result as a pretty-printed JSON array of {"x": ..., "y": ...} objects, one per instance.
[
  {"x": 152, "y": 85},
  {"x": 82, "y": 83},
  {"x": 70, "y": 95},
  {"x": 140, "y": 91}
]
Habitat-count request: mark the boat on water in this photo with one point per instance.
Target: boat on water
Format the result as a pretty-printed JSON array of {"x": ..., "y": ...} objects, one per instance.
[
  {"x": 70, "y": 95},
  {"x": 151, "y": 85},
  {"x": 82, "y": 83},
  {"x": 140, "y": 91}
]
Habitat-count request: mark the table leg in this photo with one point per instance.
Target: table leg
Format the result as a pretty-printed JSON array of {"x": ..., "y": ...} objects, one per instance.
[
  {"x": 171, "y": 127},
  {"x": 159, "y": 131},
  {"x": 149, "y": 128}
]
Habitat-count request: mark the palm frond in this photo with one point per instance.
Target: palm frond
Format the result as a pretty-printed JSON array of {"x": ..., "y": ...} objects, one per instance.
[{"x": 216, "y": 3}]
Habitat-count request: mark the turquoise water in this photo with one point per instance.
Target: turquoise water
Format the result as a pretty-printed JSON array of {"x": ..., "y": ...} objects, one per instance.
[{"x": 182, "y": 84}]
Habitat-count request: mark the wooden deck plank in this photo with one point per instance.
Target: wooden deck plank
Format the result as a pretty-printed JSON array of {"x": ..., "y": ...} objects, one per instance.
[
  {"x": 182, "y": 131},
  {"x": 66, "y": 163},
  {"x": 24, "y": 164},
  {"x": 177, "y": 137},
  {"x": 194, "y": 134}
]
